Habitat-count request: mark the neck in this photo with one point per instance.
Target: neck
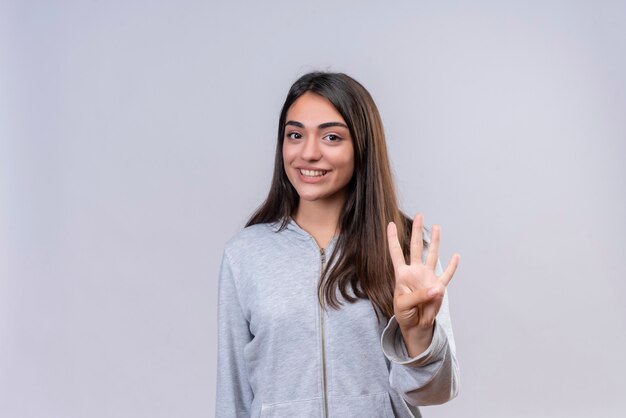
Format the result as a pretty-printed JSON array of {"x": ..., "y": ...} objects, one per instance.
[{"x": 320, "y": 218}]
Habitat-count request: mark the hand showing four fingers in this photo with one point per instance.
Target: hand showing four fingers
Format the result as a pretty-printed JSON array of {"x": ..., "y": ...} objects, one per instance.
[{"x": 418, "y": 291}]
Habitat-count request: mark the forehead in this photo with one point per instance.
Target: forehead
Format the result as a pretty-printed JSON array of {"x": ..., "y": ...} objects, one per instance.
[{"x": 313, "y": 108}]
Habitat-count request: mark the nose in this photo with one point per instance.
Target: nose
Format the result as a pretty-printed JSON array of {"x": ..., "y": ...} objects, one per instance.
[{"x": 311, "y": 150}]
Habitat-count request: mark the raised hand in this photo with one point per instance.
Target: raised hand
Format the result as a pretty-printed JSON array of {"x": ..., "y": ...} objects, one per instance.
[{"x": 418, "y": 292}]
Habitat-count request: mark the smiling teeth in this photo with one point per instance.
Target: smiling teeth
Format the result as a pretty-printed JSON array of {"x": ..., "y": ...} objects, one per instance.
[{"x": 312, "y": 173}]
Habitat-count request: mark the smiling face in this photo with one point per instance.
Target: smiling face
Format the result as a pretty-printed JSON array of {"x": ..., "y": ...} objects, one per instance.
[{"x": 318, "y": 153}]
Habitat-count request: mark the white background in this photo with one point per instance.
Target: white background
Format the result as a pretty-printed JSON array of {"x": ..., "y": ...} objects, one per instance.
[{"x": 136, "y": 137}]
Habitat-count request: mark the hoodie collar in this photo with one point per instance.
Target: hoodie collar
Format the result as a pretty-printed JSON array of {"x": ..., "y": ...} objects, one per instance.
[{"x": 296, "y": 231}]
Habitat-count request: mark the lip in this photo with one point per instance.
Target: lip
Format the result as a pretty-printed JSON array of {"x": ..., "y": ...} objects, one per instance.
[
  {"x": 312, "y": 168},
  {"x": 311, "y": 180}
]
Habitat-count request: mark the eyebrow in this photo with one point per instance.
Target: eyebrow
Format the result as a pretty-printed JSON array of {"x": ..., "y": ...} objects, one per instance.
[{"x": 320, "y": 126}]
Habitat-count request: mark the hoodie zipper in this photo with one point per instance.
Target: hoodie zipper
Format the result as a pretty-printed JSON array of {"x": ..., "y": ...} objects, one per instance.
[{"x": 323, "y": 259}]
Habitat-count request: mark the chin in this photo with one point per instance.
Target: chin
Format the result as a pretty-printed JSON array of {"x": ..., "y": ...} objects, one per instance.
[
  {"x": 317, "y": 195},
  {"x": 310, "y": 197}
]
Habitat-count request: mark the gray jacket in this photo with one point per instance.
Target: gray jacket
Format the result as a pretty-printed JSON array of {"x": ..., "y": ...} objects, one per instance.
[{"x": 280, "y": 355}]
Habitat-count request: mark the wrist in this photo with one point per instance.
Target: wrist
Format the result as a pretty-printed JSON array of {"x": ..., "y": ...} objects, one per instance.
[{"x": 417, "y": 339}]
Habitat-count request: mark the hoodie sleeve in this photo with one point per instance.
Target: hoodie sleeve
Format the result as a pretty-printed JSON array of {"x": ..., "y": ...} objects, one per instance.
[
  {"x": 432, "y": 377},
  {"x": 233, "y": 392}
]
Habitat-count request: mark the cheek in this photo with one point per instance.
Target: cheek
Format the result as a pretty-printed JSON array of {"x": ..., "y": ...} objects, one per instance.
[
  {"x": 350, "y": 165},
  {"x": 351, "y": 168},
  {"x": 288, "y": 152},
  {"x": 346, "y": 160},
  {"x": 288, "y": 158}
]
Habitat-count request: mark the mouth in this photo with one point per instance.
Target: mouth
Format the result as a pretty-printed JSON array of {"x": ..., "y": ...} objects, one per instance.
[{"x": 313, "y": 173}]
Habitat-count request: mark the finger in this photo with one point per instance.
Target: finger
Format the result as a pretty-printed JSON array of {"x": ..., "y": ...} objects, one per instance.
[
  {"x": 446, "y": 276},
  {"x": 395, "y": 250},
  {"x": 416, "y": 239},
  {"x": 433, "y": 248},
  {"x": 412, "y": 300}
]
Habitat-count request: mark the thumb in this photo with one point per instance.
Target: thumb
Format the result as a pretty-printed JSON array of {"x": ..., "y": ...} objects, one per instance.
[{"x": 411, "y": 300}]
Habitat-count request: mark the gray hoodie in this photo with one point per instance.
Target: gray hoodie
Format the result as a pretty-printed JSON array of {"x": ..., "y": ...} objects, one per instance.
[{"x": 281, "y": 355}]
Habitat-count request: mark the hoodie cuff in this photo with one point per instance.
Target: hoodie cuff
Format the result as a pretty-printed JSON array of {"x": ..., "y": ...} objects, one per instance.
[{"x": 395, "y": 350}]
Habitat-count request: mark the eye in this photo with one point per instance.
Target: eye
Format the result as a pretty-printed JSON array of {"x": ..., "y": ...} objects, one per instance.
[
  {"x": 333, "y": 138},
  {"x": 294, "y": 135}
]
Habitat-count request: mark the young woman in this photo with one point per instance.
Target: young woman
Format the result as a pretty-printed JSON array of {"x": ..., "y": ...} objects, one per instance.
[{"x": 332, "y": 302}]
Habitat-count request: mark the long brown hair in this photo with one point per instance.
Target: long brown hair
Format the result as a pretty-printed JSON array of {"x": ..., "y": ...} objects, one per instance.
[{"x": 362, "y": 257}]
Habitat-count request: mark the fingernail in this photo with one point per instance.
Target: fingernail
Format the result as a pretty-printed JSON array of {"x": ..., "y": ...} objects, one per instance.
[{"x": 432, "y": 292}]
